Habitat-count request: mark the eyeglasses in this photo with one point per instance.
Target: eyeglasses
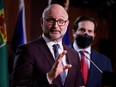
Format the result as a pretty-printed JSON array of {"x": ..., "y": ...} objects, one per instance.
[{"x": 51, "y": 21}]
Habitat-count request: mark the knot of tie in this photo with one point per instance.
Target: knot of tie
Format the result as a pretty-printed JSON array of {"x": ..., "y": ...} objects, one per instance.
[
  {"x": 82, "y": 52},
  {"x": 56, "y": 46}
]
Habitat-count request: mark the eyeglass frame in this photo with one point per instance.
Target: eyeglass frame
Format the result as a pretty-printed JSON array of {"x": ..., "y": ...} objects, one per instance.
[{"x": 54, "y": 21}]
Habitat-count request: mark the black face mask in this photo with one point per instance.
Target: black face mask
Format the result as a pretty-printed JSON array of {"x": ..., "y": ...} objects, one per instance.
[{"x": 84, "y": 40}]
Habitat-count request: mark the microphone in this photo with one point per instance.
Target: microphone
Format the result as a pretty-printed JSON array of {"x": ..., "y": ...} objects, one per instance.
[{"x": 93, "y": 63}]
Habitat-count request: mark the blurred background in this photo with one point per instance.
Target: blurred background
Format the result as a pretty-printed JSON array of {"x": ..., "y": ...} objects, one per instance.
[{"x": 102, "y": 10}]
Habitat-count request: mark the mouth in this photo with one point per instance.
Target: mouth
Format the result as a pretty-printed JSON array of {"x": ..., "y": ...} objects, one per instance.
[{"x": 55, "y": 31}]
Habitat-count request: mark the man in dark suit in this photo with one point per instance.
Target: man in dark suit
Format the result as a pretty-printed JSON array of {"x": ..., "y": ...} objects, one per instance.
[
  {"x": 35, "y": 64},
  {"x": 84, "y": 31}
]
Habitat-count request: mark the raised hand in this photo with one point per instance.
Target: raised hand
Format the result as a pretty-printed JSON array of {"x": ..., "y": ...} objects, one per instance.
[{"x": 58, "y": 68}]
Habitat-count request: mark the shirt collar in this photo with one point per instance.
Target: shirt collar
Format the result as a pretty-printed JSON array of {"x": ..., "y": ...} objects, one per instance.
[
  {"x": 50, "y": 43},
  {"x": 76, "y": 47}
]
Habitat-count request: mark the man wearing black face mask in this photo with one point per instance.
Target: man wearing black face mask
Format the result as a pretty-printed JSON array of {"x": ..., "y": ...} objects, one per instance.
[
  {"x": 84, "y": 31},
  {"x": 83, "y": 40}
]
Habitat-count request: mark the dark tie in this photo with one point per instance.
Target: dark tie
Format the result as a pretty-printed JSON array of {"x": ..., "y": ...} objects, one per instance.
[
  {"x": 55, "y": 48},
  {"x": 63, "y": 74},
  {"x": 84, "y": 67}
]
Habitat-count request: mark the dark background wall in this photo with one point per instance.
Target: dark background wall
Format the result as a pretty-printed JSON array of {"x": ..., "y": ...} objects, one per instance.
[{"x": 99, "y": 9}]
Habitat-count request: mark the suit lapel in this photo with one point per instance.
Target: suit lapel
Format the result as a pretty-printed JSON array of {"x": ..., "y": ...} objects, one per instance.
[
  {"x": 44, "y": 48},
  {"x": 69, "y": 61},
  {"x": 93, "y": 69}
]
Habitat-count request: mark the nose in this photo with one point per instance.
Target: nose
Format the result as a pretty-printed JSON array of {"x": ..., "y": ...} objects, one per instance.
[
  {"x": 85, "y": 32},
  {"x": 56, "y": 24}
]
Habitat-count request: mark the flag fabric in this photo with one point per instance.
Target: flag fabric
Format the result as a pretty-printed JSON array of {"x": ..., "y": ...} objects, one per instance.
[
  {"x": 66, "y": 38},
  {"x": 19, "y": 36},
  {"x": 4, "y": 78}
]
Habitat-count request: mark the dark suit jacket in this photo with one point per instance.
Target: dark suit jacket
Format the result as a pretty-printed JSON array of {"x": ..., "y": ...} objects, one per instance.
[
  {"x": 34, "y": 60},
  {"x": 95, "y": 76}
]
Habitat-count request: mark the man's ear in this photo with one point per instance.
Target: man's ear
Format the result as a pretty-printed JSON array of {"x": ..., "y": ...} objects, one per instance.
[
  {"x": 94, "y": 35},
  {"x": 73, "y": 32}
]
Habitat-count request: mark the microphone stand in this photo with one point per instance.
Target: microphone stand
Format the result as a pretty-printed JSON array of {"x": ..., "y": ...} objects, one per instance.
[{"x": 93, "y": 63}]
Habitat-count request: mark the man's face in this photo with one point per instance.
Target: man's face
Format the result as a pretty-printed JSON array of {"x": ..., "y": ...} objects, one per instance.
[
  {"x": 86, "y": 27},
  {"x": 55, "y": 23}
]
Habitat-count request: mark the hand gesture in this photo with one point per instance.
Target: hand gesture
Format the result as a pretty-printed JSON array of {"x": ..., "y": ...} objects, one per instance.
[{"x": 58, "y": 68}]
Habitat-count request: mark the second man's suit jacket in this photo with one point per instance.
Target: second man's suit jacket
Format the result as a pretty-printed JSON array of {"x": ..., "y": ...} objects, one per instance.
[
  {"x": 103, "y": 63},
  {"x": 34, "y": 60},
  {"x": 95, "y": 76}
]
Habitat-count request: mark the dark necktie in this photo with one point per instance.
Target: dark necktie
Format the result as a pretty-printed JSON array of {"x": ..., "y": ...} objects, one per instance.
[
  {"x": 55, "y": 48},
  {"x": 84, "y": 67},
  {"x": 63, "y": 74}
]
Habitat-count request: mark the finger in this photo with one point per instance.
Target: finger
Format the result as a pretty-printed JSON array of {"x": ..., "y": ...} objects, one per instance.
[
  {"x": 61, "y": 56},
  {"x": 59, "y": 59},
  {"x": 55, "y": 65},
  {"x": 68, "y": 66}
]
